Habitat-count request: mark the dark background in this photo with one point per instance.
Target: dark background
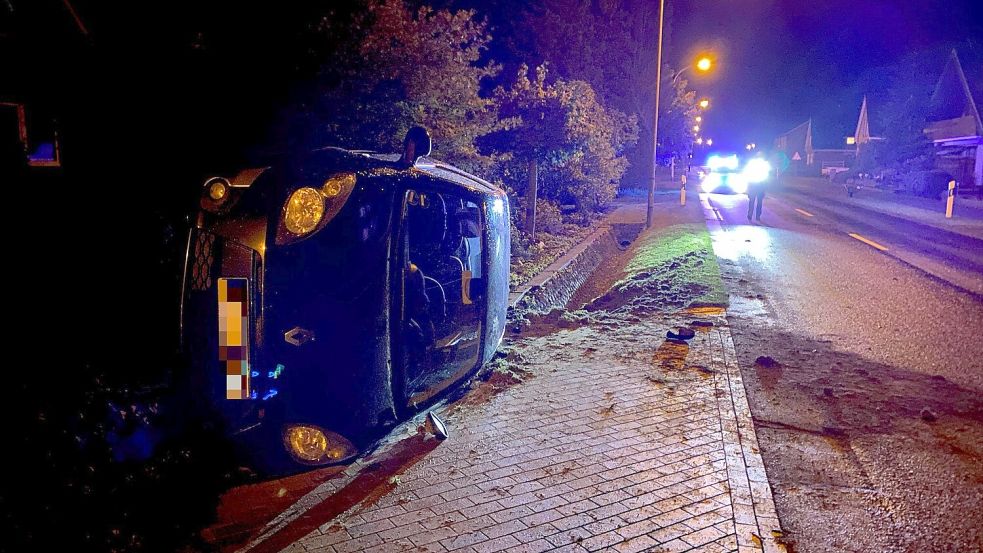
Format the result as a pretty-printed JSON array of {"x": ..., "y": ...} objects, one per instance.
[
  {"x": 783, "y": 61},
  {"x": 151, "y": 98}
]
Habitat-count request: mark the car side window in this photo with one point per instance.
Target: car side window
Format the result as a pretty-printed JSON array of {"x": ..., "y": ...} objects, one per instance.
[{"x": 442, "y": 283}]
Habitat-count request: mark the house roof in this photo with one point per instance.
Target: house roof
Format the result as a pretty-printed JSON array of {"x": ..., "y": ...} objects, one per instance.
[{"x": 953, "y": 104}]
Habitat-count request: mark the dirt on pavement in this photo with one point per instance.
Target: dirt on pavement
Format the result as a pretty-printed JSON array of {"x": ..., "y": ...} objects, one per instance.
[{"x": 861, "y": 455}]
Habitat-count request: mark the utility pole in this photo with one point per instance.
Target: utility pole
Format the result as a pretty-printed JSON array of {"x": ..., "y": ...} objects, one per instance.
[{"x": 655, "y": 119}]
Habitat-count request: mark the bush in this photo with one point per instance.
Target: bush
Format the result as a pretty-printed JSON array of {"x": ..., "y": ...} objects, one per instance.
[
  {"x": 549, "y": 219},
  {"x": 928, "y": 184}
]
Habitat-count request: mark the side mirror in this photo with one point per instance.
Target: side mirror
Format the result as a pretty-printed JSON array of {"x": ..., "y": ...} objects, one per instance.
[{"x": 417, "y": 144}]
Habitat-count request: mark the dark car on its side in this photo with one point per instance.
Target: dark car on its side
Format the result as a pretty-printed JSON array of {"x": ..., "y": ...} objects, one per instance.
[{"x": 331, "y": 294}]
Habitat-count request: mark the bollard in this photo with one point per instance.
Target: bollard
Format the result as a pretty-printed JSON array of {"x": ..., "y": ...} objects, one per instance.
[
  {"x": 949, "y": 201},
  {"x": 682, "y": 190}
]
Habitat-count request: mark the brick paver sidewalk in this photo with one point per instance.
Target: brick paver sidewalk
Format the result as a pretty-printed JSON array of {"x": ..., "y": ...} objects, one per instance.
[{"x": 617, "y": 440}]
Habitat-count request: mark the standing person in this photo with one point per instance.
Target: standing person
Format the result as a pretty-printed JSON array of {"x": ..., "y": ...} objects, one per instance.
[{"x": 759, "y": 172}]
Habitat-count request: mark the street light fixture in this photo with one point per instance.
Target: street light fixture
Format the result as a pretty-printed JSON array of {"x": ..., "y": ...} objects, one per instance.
[
  {"x": 699, "y": 140},
  {"x": 699, "y": 119},
  {"x": 709, "y": 142},
  {"x": 705, "y": 103},
  {"x": 703, "y": 65},
  {"x": 696, "y": 128}
]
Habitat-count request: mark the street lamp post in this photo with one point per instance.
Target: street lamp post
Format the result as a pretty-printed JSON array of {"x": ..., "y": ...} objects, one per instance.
[{"x": 655, "y": 119}]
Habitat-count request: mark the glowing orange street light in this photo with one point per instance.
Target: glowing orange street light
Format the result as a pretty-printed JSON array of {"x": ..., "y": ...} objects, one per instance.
[
  {"x": 699, "y": 119},
  {"x": 705, "y": 103},
  {"x": 702, "y": 65}
]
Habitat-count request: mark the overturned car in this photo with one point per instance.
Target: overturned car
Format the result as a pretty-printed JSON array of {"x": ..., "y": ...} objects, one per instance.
[{"x": 331, "y": 294}]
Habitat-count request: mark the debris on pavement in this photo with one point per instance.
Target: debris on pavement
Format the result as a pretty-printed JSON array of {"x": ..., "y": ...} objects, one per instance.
[
  {"x": 767, "y": 362},
  {"x": 682, "y": 333}
]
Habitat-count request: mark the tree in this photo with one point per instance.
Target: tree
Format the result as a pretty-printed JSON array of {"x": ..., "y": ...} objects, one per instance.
[
  {"x": 533, "y": 129},
  {"x": 592, "y": 173},
  {"x": 676, "y": 120},
  {"x": 563, "y": 129},
  {"x": 610, "y": 44},
  {"x": 903, "y": 116},
  {"x": 401, "y": 68}
]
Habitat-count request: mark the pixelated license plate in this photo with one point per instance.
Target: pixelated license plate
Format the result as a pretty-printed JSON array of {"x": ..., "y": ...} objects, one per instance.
[{"x": 233, "y": 335}]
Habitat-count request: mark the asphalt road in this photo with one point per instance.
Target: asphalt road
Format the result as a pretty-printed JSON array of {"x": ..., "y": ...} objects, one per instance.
[{"x": 860, "y": 337}]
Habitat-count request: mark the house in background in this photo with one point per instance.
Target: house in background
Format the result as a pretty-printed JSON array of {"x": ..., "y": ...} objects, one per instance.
[
  {"x": 796, "y": 146},
  {"x": 954, "y": 127},
  {"x": 806, "y": 160}
]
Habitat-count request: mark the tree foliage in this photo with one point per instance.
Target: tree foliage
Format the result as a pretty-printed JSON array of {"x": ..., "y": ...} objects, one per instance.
[
  {"x": 403, "y": 68},
  {"x": 677, "y": 117},
  {"x": 610, "y": 44},
  {"x": 562, "y": 125},
  {"x": 389, "y": 67}
]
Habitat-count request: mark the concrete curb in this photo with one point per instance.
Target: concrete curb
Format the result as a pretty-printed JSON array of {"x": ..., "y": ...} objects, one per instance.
[
  {"x": 558, "y": 267},
  {"x": 755, "y": 517},
  {"x": 757, "y": 521}
]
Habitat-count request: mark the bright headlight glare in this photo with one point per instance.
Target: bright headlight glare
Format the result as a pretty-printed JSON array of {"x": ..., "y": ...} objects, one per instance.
[
  {"x": 757, "y": 170},
  {"x": 738, "y": 184},
  {"x": 304, "y": 210},
  {"x": 722, "y": 162},
  {"x": 314, "y": 445}
]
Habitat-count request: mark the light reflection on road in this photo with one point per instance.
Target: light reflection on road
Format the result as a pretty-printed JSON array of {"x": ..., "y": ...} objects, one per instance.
[
  {"x": 736, "y": 240},
  {"x": 742, "y": 240}
]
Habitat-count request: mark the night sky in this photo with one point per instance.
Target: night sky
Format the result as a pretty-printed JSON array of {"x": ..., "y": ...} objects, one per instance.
[{"x": 783, "y": 61}]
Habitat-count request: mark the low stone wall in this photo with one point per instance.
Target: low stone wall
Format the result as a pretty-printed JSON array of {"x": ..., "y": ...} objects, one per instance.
[{"x": 553, "y": 288}]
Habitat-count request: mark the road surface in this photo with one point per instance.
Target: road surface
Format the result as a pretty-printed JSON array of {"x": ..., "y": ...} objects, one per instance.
[{"x": 859, "y": 334}]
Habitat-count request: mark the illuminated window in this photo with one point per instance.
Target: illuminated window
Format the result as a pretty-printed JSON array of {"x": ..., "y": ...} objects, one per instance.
[{"x": 40, "y": 148}]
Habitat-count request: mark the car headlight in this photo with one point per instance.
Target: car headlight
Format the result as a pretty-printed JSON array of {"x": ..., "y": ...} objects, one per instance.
[
  {"x": 737, "y": 183},
  {"x": 217, "y": 190},
  {"x": 313, "y": 445},
  {"x": 303, "y": 211},
  {"x": 216, "y": 194},
  {"x": 310, "y": 208},
  {"x": 710, "y": 182},
  {"x": 757, "y": 170}
]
